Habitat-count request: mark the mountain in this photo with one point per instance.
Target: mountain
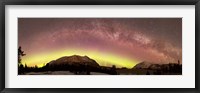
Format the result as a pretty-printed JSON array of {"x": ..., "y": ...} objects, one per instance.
[
  {"x": 143, "y": 65},
  {"x": 74, "y": 60},
  {"x": 147, "y": 65}
]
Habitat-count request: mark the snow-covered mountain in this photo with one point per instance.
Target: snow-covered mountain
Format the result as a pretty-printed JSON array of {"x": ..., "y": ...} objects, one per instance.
[
  {"x": 75, "y": 59},
  {"x": 147, "y": 65}
]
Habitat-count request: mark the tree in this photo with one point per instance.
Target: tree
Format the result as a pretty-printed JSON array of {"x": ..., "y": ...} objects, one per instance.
[
  {"x": 36, "y": 66},
  {"x": 113, "y": 69},
  {"x": 26, "y": 66},
  {"x": 20, "y": 54},
  {"x": 179, "y": 62},
  {"x": 20, "y": 65}
]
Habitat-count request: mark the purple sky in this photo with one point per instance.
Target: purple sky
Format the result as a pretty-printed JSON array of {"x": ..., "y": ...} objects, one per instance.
[{"x": 156, "y": 40}]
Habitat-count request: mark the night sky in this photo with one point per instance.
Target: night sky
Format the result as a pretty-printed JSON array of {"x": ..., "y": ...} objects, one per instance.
[{"x": 123, "y": 42}]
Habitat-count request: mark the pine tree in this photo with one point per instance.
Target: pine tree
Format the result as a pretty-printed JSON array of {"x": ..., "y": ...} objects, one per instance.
[{"x": 20, "y": 54}]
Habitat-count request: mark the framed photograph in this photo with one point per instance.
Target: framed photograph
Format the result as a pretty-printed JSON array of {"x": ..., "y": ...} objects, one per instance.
[{"x": 99, "y": 46}]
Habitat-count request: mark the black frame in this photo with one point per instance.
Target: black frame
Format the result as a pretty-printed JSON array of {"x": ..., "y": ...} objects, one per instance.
[{"x": 3, "y": 3}]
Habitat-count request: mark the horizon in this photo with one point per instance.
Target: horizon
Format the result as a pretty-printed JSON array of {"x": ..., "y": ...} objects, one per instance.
[{"x": 42, "y": 65}]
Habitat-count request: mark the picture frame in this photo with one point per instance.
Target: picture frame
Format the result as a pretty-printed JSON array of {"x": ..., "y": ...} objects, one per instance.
[{"x": 98, "y": 2}]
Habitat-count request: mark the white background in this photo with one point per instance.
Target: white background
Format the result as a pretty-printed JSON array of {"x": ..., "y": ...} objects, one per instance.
[{"x": 187, "y": 80}]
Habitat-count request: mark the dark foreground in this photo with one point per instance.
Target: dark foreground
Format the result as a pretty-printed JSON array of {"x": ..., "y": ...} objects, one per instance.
[{"x": 167, "y": 69}]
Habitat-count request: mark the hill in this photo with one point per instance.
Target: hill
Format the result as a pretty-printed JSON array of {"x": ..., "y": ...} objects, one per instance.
[
  {"x": 74, "y": 60},
  {"x": 147, "y": 65}
]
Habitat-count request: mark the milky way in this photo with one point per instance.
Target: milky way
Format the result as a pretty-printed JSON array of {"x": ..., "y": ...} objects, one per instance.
[{"x": 157, "y": 40}]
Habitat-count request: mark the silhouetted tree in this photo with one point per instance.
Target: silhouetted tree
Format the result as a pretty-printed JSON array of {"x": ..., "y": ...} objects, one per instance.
[
  {"x": 114, "y": 72},
  {"x": 20, "y": 54},
  {"x": 36, "y": 66},
  {"x": 26, "y": 66},
  {"x": 20, "y": 69},
  {"x": 113, "y": 67},
  {"x": 20, "y": 65}
]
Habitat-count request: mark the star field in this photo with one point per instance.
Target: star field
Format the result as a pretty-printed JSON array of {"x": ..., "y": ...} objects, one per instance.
[{"x": 157, "y": 40}]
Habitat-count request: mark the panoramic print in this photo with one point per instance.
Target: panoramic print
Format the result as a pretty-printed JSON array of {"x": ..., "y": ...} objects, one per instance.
[{"x": 99, "y": 46}]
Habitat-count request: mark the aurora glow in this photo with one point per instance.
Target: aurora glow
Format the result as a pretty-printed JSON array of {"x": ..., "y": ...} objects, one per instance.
[
  {"x": 123, "y": 42},
  {"x": 103, "y": 59}
]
